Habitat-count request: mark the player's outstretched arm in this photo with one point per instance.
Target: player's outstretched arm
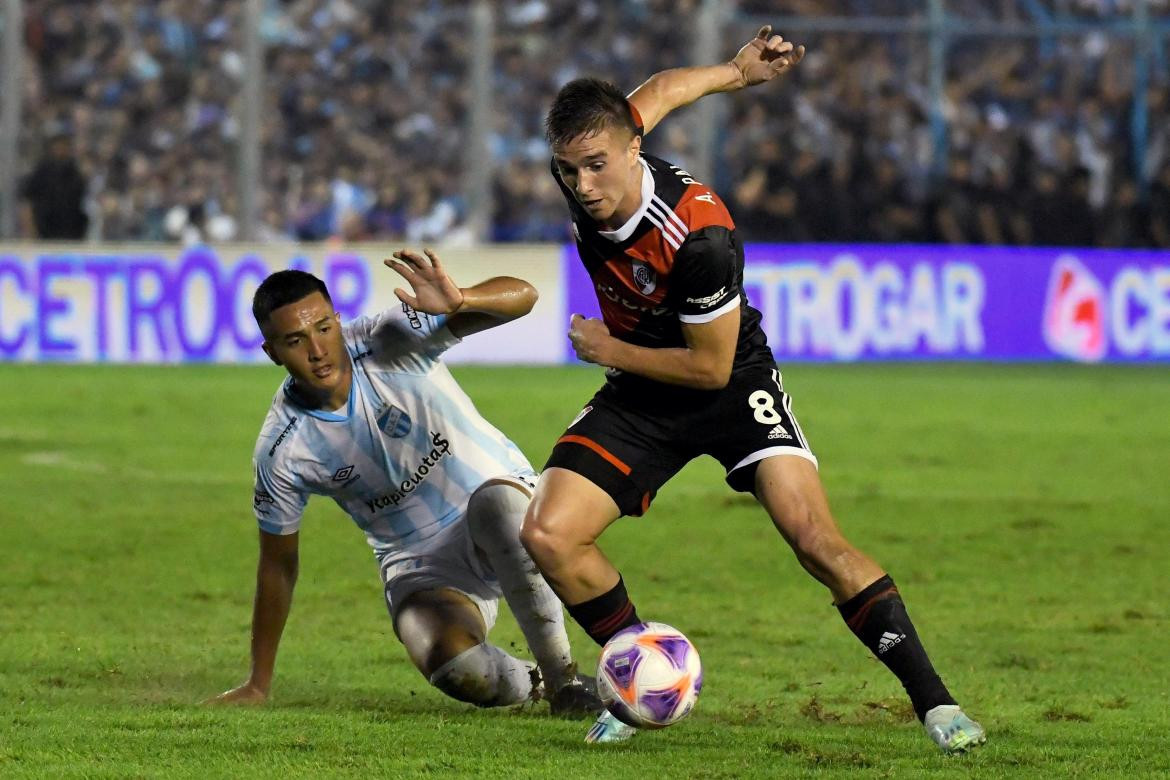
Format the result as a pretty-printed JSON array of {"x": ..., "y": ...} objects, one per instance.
[
  {"x": 470, "y": 309},
  {"x": 761, "y": 59},
  {"x": 276, "y": 575}
]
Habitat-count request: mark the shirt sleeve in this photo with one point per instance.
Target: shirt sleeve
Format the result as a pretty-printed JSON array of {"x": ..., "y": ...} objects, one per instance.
[
  {"x": 277, "y": 503},
  {"x": 403, "y": 339},
  {"x": 706, "y": 274}
]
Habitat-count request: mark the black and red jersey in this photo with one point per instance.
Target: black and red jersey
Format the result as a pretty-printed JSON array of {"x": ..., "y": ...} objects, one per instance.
[{"x": 677, "y": 260}]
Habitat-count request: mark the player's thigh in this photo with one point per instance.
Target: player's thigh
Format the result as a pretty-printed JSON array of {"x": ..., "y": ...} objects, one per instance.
[
  {"x": 569, "y": 506},
  {"x": 751, "y": 422},
  {"x": 437, "y": 625},
  {"x": 626, "y": 454},
  {"x": 789, "y": 488}
]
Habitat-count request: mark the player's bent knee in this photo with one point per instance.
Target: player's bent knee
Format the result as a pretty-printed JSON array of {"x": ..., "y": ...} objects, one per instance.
[
  {"x": 537, "y": 540},
  {"x": 495, "y": 512}
]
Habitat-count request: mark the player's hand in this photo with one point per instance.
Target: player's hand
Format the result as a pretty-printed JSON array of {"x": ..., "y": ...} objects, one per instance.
[
  {"x": 434, "y": 292},
  {"x": 248, "y": 693},
  {"x": 590, "y": 338},
  {"x": 765, "y": 57}
]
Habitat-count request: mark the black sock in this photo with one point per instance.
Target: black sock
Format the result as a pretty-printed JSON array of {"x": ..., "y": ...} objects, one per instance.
[
  {"x": 878, "y": 617},
  {"x": 604, "y": 616}
]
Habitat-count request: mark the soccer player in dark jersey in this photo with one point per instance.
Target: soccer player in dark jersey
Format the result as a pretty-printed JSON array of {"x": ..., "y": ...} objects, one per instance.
[{"x": 689, "y": 373}]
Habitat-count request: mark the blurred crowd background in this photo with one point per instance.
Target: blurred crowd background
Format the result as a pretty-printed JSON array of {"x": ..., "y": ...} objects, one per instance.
[{"x": 130, "y": 123}]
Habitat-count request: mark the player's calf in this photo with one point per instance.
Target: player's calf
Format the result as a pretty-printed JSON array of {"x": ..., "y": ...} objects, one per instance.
[{"x": 486, "y": 676}]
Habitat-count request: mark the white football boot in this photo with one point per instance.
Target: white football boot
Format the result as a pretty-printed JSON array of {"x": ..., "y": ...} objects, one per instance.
[
  {"x": 607, "y": 728},
  {"x": 952, "y": 730}
]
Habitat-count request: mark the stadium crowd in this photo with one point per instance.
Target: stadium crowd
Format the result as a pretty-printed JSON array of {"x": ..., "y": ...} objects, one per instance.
[{"x": 363, "y": 127}]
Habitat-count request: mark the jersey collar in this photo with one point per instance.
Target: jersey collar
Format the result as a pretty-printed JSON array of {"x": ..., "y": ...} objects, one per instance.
[
  {"x": 322, "y": 414},
  {"x": 627, "y": 230}
]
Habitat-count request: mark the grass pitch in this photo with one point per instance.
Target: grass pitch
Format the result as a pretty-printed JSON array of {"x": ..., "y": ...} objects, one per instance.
[{"x": 1024, "y": 511}]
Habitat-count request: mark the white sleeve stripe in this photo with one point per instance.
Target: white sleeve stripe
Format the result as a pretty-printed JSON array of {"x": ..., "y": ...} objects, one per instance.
[
  {"x": 670, "y": 213},
  {"x": 695, "y": 319},
  {"x": 667, "y": 236},
  {"x": 667, "y": 225}
]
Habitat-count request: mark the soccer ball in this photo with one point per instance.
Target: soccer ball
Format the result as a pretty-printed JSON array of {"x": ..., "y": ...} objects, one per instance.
[{"x": 649, "y": 675}]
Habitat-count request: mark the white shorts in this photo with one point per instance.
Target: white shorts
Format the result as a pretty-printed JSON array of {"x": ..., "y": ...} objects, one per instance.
[
  {"x": 449, "y": 559},
  {"x": 446, "y": 560}
]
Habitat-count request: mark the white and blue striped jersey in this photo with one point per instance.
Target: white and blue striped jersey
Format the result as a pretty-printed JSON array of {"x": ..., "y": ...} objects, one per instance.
[{"x": 404, "y": 456}]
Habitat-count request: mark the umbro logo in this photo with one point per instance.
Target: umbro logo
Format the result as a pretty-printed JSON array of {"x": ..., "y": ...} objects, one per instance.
[
  {"x": 346, "y": 476},
  {"x": 778, "y": 432},
  {"x": 888, "y": 640}
]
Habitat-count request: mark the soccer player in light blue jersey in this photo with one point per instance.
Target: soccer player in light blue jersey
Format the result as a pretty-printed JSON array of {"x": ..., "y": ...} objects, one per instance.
[{"x": 371, "y": 417}]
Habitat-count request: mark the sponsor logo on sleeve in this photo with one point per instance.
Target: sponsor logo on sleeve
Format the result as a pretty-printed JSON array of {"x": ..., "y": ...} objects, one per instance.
[
  {"x": 261, "y": 500},
  {"x": 708, "y": 301},
  {"x": 412, "y": 315},
  {"x": 283, "y": 435}
]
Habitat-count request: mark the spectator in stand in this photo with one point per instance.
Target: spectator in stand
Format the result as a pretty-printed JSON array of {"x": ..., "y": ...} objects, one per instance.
[
  {"x": 147, "y": 90},
  {"x": 54, "y": 194}
]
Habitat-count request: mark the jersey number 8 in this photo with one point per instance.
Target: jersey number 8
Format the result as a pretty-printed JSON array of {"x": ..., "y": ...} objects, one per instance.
[{"x": 764, "y": 407}]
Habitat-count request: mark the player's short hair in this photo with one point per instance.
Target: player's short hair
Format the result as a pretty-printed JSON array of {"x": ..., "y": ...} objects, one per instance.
[
  {"x": 283, "y": 288},
  {"x": 587, "y": 106}
]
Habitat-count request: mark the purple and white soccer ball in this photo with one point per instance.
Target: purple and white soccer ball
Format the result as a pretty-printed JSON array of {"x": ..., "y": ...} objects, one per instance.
[{"x": 649, "y": 675}]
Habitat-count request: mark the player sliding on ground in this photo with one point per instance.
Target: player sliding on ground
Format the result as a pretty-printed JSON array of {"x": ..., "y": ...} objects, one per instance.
[
  {"x": 689, "y": 374},
  {"x": 371, "y": 417}
]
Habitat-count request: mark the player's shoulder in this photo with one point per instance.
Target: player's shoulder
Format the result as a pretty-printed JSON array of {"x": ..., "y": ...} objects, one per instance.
[
  {"x": 685, "y": 201},
  {"x": 283, "y": 423},
  {"x": 398, "y": 335}
]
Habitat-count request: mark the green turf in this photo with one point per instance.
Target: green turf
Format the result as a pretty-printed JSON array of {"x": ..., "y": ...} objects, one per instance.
[{"x": 1024, "y": 510}]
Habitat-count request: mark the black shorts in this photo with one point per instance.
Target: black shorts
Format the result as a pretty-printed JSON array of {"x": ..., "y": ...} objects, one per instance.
[{"x": 630, "y": 452}]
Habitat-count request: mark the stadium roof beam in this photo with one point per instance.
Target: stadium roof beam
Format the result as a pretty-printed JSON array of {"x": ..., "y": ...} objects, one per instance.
[
  {"x": 11, "y": 51},
  {"x": 249, "y": 103},
  {"x": 477, "y": 163}
]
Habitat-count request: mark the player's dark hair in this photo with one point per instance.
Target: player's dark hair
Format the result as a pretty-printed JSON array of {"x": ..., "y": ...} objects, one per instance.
[
  {"x": 283, "y": 288},
  {"x": 587, "y": 106}
]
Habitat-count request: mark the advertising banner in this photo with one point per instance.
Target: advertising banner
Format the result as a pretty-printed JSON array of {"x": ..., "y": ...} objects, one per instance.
[
  {"x": 825, "y": 302},
  {"x": 145, "y": 304}
]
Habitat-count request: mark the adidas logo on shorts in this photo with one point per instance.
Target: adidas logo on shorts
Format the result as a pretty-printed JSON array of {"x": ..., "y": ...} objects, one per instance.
[
  {"x": 779, "y": 433},
  {"x": 888, "y": 640}
]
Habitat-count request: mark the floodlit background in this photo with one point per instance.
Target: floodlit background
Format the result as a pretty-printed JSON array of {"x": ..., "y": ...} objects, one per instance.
[{"x": 958, "y": 225}]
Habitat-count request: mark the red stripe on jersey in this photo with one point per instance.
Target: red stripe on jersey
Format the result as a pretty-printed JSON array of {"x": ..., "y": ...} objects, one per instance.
[
  {"x": 699, "y": 207},
  {"x": 654, "y": 250}
]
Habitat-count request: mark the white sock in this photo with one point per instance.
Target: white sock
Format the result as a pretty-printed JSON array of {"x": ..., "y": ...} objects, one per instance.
[
  {"x": 494, "y": 515},
  {"x": 485, "y": 676}
]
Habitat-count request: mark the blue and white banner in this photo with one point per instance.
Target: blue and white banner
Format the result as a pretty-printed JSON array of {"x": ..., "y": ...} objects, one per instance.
[{"x": 134, "y": 305}]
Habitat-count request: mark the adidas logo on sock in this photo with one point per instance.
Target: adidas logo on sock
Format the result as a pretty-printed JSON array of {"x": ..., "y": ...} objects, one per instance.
[
  {"x": 779, "y": 433},
  {"x": 888, "y": 640}
]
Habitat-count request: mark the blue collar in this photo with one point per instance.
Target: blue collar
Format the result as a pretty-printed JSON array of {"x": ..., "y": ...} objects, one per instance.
[{"x": 322, "y": 414}]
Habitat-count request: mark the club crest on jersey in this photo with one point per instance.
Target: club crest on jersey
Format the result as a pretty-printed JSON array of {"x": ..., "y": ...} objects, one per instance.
[
  {"x": 644, "y": 277},
  {"x": 394, "y": 422}
]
